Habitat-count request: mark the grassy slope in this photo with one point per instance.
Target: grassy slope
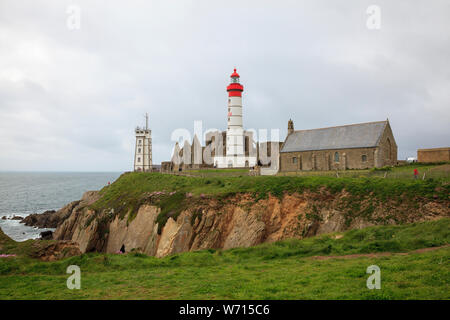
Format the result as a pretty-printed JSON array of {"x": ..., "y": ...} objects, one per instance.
[
  {"x": 129, "y": 191},
  {"x": 282, "y": 270},
  {"x": 431, "y": 171}
]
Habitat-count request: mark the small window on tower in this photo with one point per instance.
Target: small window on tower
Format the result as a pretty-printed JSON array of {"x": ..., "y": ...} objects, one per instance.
[
  {"x": 139, "y": 150},
  {"x": 139, "y": 159},
  {"x": 139, "y": 141}
]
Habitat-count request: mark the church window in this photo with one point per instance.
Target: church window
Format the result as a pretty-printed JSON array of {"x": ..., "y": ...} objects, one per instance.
[
  {"x": 336, "y": 157},
  {"x": 364, "y": 158},
  {"x": 294, "y": 160}
]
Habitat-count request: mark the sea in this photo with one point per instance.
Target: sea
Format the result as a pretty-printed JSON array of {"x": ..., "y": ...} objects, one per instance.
[{"x": 24, "y": 193}]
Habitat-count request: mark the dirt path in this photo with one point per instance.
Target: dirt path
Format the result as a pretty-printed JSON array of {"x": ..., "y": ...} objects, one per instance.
[{"x": 379, "y": 254}]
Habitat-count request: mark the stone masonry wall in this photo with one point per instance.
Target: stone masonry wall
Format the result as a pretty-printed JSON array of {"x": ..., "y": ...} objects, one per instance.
[{"x": 433, "y": 155}]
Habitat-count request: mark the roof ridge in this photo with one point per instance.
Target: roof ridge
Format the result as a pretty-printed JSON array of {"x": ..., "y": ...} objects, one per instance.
[{"x": 345, "y": 125}]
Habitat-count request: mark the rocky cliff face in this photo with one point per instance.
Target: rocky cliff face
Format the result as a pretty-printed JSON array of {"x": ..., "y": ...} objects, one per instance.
[
  {"x": 235, "y": 221},
  {"x": 52, "y": 219}
]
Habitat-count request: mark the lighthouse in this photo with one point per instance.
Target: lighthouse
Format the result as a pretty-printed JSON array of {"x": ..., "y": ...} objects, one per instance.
[
  {"x": 238, "y": 143},
  {"x": 235, "y": 129}
]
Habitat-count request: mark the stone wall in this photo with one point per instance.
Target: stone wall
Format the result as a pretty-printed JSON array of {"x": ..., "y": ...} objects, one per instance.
[
  {"x": 387, "y": 153},
  {"x": 326, "y": 159},
  {"x": 433, "y": 155}
]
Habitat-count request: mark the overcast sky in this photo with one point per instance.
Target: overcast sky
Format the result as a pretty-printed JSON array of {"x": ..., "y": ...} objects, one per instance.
[{"x": 71, "y": 98}]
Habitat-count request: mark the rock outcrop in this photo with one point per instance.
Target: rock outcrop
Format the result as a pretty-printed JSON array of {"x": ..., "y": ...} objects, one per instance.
[
  {"x": 47, "y": 219},
  {"x": 237, "y": 221},
  {"x": 12, "y": 218},
  {"x": 54, "y": 250},
  {"x": 45, "y": 250},
  {"x": 52, "y": 218}
]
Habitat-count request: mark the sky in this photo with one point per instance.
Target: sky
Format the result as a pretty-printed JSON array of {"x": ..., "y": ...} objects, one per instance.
[{"x": 76, "y": 77}]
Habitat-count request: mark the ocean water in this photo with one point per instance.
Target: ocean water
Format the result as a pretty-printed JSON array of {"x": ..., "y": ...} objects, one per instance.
[{"x": 23, "y": 193}]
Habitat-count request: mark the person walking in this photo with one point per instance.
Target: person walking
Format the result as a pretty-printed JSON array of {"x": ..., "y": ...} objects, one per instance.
[{"x": 416, "y": 173}]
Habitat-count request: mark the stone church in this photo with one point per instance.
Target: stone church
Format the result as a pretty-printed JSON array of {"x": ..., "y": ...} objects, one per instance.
[{"x": 355, "y": 146}]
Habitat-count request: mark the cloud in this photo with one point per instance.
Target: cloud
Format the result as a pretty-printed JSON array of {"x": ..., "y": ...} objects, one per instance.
[{"x": 70, "y": 99}]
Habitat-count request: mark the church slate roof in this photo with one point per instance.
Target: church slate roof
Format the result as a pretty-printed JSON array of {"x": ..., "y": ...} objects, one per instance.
[{"x": 361, "y": 135}]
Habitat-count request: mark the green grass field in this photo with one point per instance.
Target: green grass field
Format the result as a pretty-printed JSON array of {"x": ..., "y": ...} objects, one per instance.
[
  {"x": 282, "y": 270},
  {"x": 404, "y": 172}
]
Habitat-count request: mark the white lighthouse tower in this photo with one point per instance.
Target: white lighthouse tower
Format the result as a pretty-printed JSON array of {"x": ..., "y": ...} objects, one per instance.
[
  {"x": 235, "y": 141},
  {"x": 143, "y": 149},
  {"x": 235, "y": 129}
]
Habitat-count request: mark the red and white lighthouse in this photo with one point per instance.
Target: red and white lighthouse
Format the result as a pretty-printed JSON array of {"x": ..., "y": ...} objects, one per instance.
[
  {"x": 235, "y": 129},
  {"x": 237, "y": 154}
]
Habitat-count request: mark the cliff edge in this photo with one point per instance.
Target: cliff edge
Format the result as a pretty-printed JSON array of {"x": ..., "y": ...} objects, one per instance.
[{"x": 161, "y": 214}]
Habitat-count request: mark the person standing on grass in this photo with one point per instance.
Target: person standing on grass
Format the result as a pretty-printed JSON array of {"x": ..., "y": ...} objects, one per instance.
[{"x": 416, "y": 173}]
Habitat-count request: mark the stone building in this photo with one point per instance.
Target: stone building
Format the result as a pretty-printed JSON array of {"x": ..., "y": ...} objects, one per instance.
[
  {"x": 433, "y": 155},
  {"x": 196, "y": 156},
  {"x": 143, "y": 148},
  {"x": 355, "y": 146}
]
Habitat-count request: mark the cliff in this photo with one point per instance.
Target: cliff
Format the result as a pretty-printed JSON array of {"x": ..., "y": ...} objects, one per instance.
[{"x": 134, "y": 216}]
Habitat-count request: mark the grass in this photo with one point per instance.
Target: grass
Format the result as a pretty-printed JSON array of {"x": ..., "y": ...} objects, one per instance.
[
  {"x": 29, "y": 248},
  {"x": 281, "y": 270},
  {"x": 207, "y": 172},
  {"x": 439, "y": 172}
]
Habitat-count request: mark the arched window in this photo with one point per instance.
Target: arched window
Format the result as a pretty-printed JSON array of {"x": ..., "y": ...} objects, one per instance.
[
  {"x": 364, "y": 158},
  {"x": 139, "y": 159},
  {"x": 139, "y": 150},
  {"x": 336, "y": 157},
  {"x": 294, "y": 160}
]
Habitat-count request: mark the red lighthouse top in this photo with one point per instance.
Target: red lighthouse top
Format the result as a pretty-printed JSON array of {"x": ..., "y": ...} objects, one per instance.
[{"x": 235, "y": 88}]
